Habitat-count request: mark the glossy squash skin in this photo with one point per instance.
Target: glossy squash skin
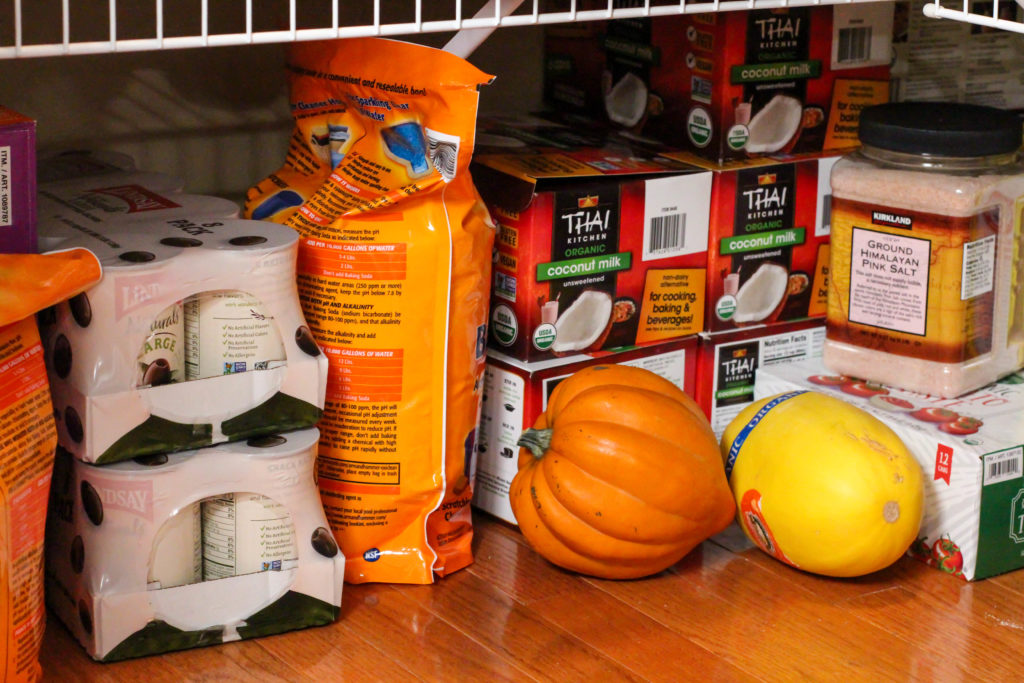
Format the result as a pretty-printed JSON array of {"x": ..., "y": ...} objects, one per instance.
[{"x": 620, "y": 477}]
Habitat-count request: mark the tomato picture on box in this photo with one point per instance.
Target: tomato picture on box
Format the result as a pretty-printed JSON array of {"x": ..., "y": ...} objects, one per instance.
[{"x": 592, "y": 257}]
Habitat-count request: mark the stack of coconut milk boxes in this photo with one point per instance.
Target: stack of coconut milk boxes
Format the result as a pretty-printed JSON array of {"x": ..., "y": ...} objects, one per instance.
[
  {"x": 186, "y": 386},
  {"x": 671, "y": 207}
]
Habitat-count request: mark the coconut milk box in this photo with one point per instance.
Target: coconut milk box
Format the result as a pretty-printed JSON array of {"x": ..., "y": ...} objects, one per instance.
[
  {"x": 516, "y": 393},
  {"x": 768, "y": 248},
  {"x": 727, "y": 364},
  {"x": 971, "y": 451},
  {"x": 600, "y": 245},
  {"x": 729, "y": 85}
]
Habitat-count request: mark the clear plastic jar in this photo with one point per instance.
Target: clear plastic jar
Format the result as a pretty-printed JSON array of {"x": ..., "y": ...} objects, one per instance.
[{"x": 925, "y": 276}]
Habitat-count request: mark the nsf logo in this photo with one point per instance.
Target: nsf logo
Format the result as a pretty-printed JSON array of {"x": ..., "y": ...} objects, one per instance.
[{"x": 371, "y": 555}]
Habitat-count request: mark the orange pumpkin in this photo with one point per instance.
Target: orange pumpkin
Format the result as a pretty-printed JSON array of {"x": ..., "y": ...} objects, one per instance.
[{"x": 621, "y": 476}]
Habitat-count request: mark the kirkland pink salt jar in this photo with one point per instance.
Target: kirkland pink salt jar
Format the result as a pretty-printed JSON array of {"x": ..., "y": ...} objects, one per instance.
[{"x": 926, "y": 282}]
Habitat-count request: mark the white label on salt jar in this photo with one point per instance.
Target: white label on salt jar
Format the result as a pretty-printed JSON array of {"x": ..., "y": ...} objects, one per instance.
[
  {"x": 979, "y": 267},
  {"x": 889, "y": 281}
]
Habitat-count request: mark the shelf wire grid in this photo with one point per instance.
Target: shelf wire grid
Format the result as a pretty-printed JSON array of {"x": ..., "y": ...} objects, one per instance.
[{"x": 41, "y": 28}]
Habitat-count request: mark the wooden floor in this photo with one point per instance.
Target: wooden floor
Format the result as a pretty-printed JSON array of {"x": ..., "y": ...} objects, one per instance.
[{"x": 726, "y": 612}]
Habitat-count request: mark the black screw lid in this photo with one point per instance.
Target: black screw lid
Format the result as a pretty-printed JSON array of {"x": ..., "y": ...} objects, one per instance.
[{"x": 940, "y": 128}]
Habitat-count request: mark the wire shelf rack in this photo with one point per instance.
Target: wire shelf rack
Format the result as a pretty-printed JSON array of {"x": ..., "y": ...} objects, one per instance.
[{"x": 41, "y": 28}]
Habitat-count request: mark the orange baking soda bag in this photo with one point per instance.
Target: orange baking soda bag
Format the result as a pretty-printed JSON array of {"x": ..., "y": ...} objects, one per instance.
[
  {"x": 28, "y": 441},
  {"x": 393, "y": 275}
]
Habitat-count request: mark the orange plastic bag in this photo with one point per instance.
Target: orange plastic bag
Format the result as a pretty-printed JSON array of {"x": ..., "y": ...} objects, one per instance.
[
  {"x": 394, "y": 274},
  {"x": 28, "y": 441}
]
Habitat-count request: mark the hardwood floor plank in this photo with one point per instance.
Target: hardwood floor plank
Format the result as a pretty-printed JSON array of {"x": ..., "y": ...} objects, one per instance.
[
  {"x": 753, "y": 619},
  {"x": 506, "y": 561},
  {"x": 516, "y": 632},
  {"x": 635, "y": 640},
  {"x": 419, "y": 640}
]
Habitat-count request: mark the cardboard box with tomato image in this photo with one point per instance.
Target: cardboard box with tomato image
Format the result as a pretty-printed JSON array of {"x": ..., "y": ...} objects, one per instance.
[
  {"x": 971, "y": 452},
  {"x": 601, "y": 244},
  {"x": 516, "y": 393}
]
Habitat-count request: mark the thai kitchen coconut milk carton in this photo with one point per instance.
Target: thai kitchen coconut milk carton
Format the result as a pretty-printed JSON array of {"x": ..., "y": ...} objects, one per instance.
[
  {"x": 598, "y": 248},
  {"x": 768, "y": 249},
  {"x": 971, "y": 451},
  {"x": 729, "y": 85},
  {"x": 516, "y": 393},
  {"x": 727, "y": 364}
]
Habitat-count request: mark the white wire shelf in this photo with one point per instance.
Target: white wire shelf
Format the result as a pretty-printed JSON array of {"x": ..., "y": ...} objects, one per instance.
[
  {"x": 42, "y": 28},
  {"x": 1001, "y": 15}
]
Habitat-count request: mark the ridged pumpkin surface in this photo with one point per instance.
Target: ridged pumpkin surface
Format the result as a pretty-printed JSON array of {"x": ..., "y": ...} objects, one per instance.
[{"x": 624, "y": 477}]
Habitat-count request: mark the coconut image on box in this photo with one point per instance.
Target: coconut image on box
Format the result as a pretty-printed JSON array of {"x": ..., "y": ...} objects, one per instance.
[
  {"x": 597, "y": 248},
  {"x": 187, "y": 549},
  {"x": 193, "y": 337},
  {"x": 768, "y": 252},
  {"x": 729, "y": 85}
]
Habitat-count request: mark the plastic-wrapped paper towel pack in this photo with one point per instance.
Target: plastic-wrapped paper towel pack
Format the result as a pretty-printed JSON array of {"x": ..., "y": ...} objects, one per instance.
[
  {"x": 194, "y": 336},
  {"x": 194, "y": 548}
]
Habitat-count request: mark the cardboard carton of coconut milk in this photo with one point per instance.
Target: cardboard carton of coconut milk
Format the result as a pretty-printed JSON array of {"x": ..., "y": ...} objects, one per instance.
[
  {"x": 600, "y": 246},
  {"x": 727, "y": 363},
  {"x": 193, "y": 336},
  {"x": 189, "y": 549},
  {"x": 729, "y": 85},
  {"x": 516, "y": 393},
  {"x": 768, "y": 249},
  {"x": 971, "y": 451}
]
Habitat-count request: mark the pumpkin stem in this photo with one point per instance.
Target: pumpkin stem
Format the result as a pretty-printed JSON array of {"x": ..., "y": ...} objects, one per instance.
[{"x": 536, "y": 440}]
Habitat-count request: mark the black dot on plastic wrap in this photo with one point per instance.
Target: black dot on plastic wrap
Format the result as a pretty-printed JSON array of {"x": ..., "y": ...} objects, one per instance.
[
  {"x": 247, "y": 240},
  {"x": 137, "y": 256},
  {"x": 81, "y": 309},
  {"x": 306, "y": 343},
  {"x": 73, "y": 423},
  {"x": 324, "y": 543},
  {"x": 47, "y": 317},
  {"x": 154, "y": 460},
  {"x": 268, "y": 441},
  {"x": 62, "y": 356},
  {"x": 91, "y": 503},
  {"x": 183, "y": 242}
]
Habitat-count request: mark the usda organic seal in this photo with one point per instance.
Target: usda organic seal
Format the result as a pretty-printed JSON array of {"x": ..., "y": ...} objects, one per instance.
[
  {"x": 504, "y": 326},
  {"x": 544, "y": 336}
]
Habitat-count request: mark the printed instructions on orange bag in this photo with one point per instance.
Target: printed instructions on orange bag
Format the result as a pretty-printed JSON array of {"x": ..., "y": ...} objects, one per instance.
[
  {"x": 28, "y": 440},
  {"x": 394, "y": 271}
]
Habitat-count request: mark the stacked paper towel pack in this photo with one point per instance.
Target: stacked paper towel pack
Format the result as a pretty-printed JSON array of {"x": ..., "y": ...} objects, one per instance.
[{"x": 186, "y": 387}]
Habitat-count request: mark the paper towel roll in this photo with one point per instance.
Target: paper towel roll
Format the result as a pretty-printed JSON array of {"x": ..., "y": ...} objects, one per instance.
[
  {"x": 162, "y": 357},
  {"x": 177, "y": 558},
  {"x": 102, "y": 344},
  {"x": 244, "y": 533},
  {"x": 228, "y": 332}
]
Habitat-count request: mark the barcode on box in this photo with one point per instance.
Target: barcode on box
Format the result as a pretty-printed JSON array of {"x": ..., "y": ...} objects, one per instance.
[
  {"x": 667, "y": 234},
  {"x": 1004, "y": 465},
  {"x": 854, "y": 45}
]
